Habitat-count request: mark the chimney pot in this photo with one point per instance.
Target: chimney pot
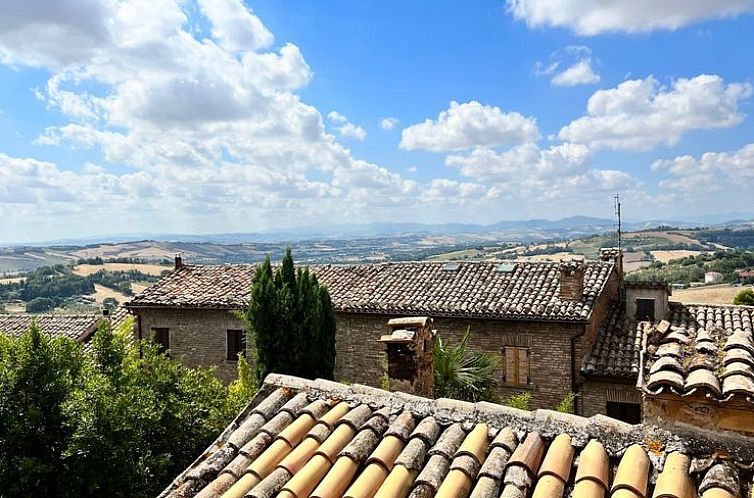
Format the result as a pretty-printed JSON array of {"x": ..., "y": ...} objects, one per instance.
[{"x": 178, "y": 261}]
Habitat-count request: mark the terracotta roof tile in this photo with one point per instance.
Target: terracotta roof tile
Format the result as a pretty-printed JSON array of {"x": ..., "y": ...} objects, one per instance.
[
  {"x": 707, "y": 349},
  {"x": 480, "y": 457},
  {"x": 617, "y": 347},
  {"x": 76, "y": 327},
  {"x": 475, "y": 288}
]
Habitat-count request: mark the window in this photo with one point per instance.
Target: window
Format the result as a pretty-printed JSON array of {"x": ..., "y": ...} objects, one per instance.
[
  {"x": 645, "y": 309},
  {"x": 517, "y": 366},
  {"x": 162, "y": 337},
  {"x": 236, "y": 344},
  {"x": 627, "y": 412}
]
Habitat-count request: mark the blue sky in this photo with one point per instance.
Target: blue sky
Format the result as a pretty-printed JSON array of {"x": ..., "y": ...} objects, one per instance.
[{"x": 207, "y": 116}]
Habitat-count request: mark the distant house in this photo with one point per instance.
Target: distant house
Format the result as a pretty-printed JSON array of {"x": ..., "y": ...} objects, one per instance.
[
  {"x": 713, "y": 277},
  {"x": 538, "y": 319},
  {"x": 79, "y": 327}
]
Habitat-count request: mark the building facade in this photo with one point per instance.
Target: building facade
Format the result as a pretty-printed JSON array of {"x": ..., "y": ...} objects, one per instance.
[{"x": 538, "y": 319}]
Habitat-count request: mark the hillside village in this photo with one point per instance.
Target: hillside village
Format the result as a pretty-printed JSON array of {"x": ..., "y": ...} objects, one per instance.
[{"x": 376, "y": 249}]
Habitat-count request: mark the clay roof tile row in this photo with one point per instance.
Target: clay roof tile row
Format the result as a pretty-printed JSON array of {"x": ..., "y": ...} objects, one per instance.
[
  {"x": 526, "y": 290},
  {"x": 331, "y": 440}
]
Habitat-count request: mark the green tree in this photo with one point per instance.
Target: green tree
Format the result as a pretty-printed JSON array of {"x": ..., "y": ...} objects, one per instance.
[
  {"x": 37, "y": 377},
  {"x": 462, "y": 373},
  {"x": 110, "y": 303},
  {"x": 293, "y": 322},
  {"x": 745, "y": 297},
  {"x": 120, "y": 421},
  {"x": 40, "y": 305}
]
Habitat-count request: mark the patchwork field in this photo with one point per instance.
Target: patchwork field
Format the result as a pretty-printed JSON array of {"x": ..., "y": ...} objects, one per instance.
[
  {"x": 150, "y": 269},
  {"x": 714, "y": 294},
  {"x": 665, "y": 256}
]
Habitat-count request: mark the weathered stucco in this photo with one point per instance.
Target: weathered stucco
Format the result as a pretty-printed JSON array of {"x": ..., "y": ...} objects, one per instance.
[{"x": 667, "y": 410}]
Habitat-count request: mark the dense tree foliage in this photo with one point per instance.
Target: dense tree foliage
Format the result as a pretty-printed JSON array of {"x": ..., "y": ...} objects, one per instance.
[
  {"x": 744, "y": 297},
  {"x": 463, "y": 373},
  {"x": 292, "y": 319},
  {"x": 122, "y": 420},
  {"x": 51, "y": 282}
]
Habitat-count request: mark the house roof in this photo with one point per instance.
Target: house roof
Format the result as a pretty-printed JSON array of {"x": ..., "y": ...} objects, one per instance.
[
  {"x": 77, "y": 327},
  {"x": 80, "y": 327},
  {"x": 706, "y": 349},
  {"x": 483, "y": 289},
  {"x": 617, "y": 347},
  {"x": 302, "y": 438}
]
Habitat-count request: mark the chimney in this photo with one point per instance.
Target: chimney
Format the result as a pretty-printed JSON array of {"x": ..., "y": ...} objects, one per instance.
[
  {"x": 572, "y": 280},
  {"x": 614, "y": 255},
  {"x": 410, "y": 357},
  {"x": 178, "y": 261}
]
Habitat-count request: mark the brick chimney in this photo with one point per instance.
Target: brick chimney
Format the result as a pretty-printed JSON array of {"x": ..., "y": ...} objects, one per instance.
[
  {"x": 614, "y": 255},
  {"x": 178, "y": 261},
  {"x": 410, "y": 358},
  {"x": 572, "y": 280}
]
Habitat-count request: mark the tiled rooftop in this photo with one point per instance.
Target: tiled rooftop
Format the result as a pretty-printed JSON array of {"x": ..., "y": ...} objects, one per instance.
[
  {"x": 491, "y": 289},
  {"x": 77, "y": 327},
  {"x": 704, "y": 348},
  {"x": 617, "y": 347},
  {"x": 302, "y": 438}
]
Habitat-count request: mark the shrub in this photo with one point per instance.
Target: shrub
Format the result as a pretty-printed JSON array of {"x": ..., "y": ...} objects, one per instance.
[{"x": 745, "y": 297}]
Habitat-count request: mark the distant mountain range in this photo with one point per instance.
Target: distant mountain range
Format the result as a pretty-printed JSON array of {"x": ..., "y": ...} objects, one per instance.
[{"x": 512, "y": 230}]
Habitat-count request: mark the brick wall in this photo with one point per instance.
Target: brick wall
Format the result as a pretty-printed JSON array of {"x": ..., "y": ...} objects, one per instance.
[
  {"x": 197, "y": 337},
  {"x": 361, "y": 358},
  {"x": 594, "y": 395}
]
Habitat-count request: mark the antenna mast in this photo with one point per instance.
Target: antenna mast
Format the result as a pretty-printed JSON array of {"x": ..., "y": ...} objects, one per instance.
[{"x": 617, "y": 213}]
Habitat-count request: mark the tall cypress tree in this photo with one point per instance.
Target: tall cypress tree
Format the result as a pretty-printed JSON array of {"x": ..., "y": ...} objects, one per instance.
[{"x": 293, "y": 322}]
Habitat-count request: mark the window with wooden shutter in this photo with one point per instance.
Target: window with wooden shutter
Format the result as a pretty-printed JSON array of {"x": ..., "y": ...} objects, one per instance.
[
  {"x": 517, "y": 366},
  {"x": 236, "y": 344}
]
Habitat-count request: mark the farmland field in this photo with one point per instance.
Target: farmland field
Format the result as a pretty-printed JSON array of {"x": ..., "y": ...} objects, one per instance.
[
  {"x": 665, "y": 256},
  {"x": 150, "y": 269},
  {"x": 713, "y": 294}
]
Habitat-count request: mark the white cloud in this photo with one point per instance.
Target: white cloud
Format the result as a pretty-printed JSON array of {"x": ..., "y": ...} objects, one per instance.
[
  {"x": 713, "y": 170},
  {"x": 388, "y": 123},
  {"x": 593, "y": 17},
  {"x": 641, "y": 114},
  {"x": 580, "y": 73},
  {"x": 522, "y": 161},
  {"x": 468, "y": 125},
  {"x": 234, "y": 25},
  {"x": 346, "y": 128},
  {"x": 570, "y": 67}
]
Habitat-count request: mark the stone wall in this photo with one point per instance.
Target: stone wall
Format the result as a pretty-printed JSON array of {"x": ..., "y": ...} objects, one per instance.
[
  {"x": 361, "y": 357},
  {"x": 197, "y": 337}
]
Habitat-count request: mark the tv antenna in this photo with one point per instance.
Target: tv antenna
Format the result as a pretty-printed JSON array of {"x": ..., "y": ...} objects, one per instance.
[{"x": 617, "y": 215}]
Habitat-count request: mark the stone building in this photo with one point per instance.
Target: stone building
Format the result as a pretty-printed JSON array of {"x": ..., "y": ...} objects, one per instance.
[{"x": 539, "y": 319}]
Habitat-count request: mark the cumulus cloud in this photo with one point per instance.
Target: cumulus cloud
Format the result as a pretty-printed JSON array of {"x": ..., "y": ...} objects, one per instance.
[
  {"x": 642, "y": 114},
  {"x": 593, "y": 17},
  {"x": 711, "y": 170},
  {"x": 346, "y": 128},
  {"x": 468, "y": 125},
  {"x": 570, "y": 67},
  {"x": 388, "y": 123}
]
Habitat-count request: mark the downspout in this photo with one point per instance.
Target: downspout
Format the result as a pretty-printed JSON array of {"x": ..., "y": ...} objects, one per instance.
[
  {"x": 138, "y": 326},
  {"x": 573, "y": 369}
]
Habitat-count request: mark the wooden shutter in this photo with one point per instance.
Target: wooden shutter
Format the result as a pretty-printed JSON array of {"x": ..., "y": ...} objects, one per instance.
[
  {"x": 523, "y": 366},
  {"x": 510, "y": 365}
]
